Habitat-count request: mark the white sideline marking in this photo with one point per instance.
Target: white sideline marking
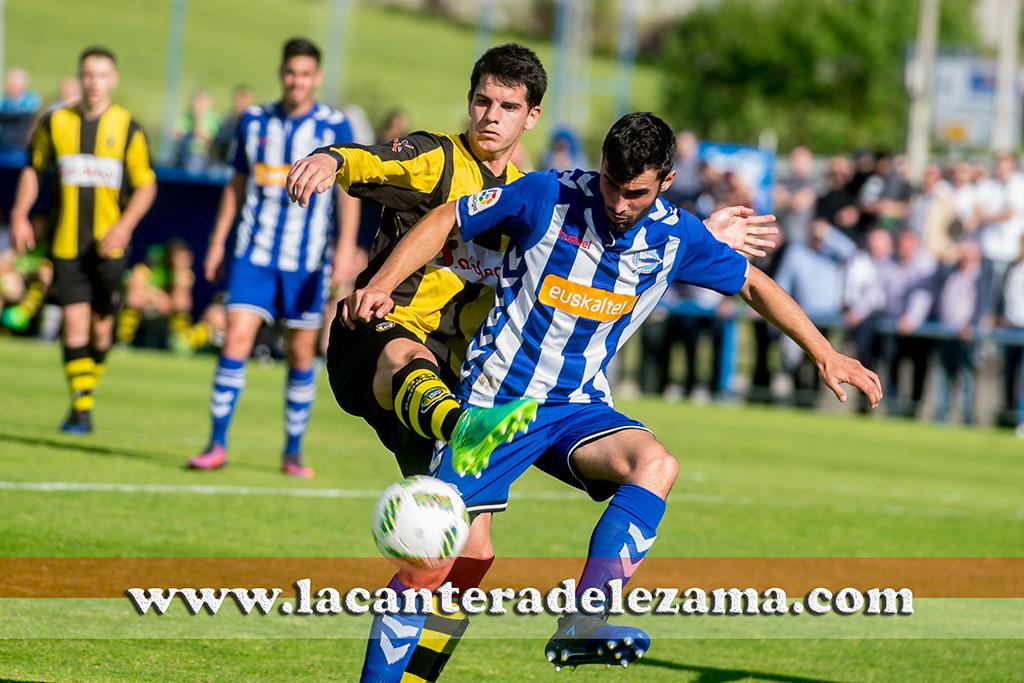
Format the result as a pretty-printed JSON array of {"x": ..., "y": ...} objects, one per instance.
[
  {"x": 578, "y": 496},
  {"x": 357, "y": 494}
]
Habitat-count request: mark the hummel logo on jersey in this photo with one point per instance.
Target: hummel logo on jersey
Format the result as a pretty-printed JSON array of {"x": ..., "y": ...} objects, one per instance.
[
  {"x": 483, "y": 200},
  {"x": 584, "y": 301},
  {"x": 574, "y": 240}
]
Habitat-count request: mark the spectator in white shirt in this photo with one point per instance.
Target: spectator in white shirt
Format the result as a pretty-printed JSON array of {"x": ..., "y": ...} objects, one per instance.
[
  {"x": 909, "y": 298},
  {"x": 864, "y": 296},
  {"x": 932, "y": 215},
  {"x": 1011, "y": 316},
  {"x": 962, "y": 304},
  {"x": 1000, "y": 214}
]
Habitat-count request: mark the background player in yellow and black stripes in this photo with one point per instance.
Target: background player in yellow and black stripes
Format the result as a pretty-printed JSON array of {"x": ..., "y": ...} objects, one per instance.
[{"x": 106, "y": 185}]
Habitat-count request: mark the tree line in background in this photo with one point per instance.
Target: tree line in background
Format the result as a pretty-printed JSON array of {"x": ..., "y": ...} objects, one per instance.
[{"x": 827, "y": 73}]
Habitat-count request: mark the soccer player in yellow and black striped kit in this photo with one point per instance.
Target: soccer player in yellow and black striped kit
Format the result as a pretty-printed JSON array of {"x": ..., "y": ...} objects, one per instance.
[
  {"x": 105, "y": 186},
  {"x": 396, "y": 373}
]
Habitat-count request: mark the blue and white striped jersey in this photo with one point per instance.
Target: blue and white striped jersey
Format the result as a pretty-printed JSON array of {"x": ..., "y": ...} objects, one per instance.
[
  {"x": 571, "y": 291},
  {"x": 272, "y": 231}
]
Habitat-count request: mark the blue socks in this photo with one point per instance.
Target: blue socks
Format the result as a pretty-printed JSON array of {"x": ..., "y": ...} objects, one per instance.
[
  {"x": 393, "y": 639},
  {"x": 228, "y": 382},
  {"x": 299, "y": 395},
  {"x": 622, "y": 537}
]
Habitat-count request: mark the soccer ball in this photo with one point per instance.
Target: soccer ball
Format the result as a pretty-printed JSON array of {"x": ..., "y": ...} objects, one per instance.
[{"x": 420, "y": 523}]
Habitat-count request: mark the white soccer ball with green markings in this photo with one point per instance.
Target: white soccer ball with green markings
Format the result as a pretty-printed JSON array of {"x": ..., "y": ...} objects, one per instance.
[{"x": 420, "y": 522}]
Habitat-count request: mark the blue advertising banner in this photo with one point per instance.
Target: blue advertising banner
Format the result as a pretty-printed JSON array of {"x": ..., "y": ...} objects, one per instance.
[{"x": 754, "y": 166}]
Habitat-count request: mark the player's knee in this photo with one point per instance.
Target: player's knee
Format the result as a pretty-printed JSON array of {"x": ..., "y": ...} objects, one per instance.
[
  {"x": 653, "y": 468},
  {"x": 301, "y": 358},
  {"x": 663, "y": 467},
  {"x": 134, "y": 299},
  {"x": 395, "y": 356},
  {"x": 399, "y": 353},
  {"x": 238, "y": 342}
]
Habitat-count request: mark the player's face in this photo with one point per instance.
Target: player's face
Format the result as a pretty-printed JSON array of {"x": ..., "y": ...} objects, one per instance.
[
  {"x": 625, "y": 204},
  {"x": 300, "y": 77},
  {"x": 498, "y": 115},
  {"x": 99, "y": 77}
]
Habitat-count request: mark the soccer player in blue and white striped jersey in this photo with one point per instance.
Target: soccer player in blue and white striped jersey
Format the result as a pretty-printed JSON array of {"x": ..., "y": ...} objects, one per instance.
[
  {"x": 281, "y": 262},
  {"x": 590, "y": 255}
]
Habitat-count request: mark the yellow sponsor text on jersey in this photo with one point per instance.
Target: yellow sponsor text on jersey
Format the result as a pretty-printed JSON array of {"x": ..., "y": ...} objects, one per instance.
[
  {"x": 270, "y": 175},
  {"x": 584, "y": 301}
]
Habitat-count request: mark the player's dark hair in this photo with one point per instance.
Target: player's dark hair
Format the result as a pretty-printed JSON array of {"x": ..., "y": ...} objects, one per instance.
[
  {"x": 638, "y": 142},
  {"x": 512, "y": 65},
  {"x": 96, "y": 51},
  {"x": 300, "y": 47}
]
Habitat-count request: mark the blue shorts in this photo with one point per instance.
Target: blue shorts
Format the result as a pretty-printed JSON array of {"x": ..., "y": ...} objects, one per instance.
[
  {"x": 549, "y": 444},
  {"x": 296, "y": 298}
]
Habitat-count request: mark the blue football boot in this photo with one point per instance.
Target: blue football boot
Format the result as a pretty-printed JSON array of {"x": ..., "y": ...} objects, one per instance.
[
  {"x": 77, "y": 422},
  {"x": 590, "y": 639}
]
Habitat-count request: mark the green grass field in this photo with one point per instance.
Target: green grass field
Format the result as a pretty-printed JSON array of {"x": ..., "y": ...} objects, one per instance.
[
  {"x": 391, "y": 58},
  {"x": 754, "y": 483}
]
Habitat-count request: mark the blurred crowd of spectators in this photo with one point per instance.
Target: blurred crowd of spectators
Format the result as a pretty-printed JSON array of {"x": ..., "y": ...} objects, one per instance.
[
  {"x": 21, "y": 106},
  {"x": 924, "y": 276}
]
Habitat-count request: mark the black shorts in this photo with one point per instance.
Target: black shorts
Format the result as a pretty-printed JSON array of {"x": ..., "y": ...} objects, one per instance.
[
  {"x": 90, "y": 279},
  {"x": 352, "y": 357}
]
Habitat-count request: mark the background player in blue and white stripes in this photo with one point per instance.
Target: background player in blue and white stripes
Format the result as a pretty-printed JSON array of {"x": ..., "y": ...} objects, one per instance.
[
  {"x": 281, "y": 267},
  {"x": 591, "y": 253}
]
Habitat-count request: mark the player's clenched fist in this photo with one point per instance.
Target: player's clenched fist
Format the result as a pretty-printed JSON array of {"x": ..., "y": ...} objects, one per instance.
[
  {"x": 314, "y": 173},
  {"x": 366, "y": 305}
]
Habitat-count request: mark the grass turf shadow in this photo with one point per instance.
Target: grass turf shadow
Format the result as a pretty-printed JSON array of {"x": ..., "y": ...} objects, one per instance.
[
  {"x": 81, "y": 444},
  {"x": 707, "y": 674}
]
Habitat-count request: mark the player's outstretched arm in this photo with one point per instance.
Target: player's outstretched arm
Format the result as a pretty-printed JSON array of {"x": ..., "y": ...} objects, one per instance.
[
  {"x": 415, "y": 250},
  {"x": 776, "y": 306},
  {"x": 738, "y": 227}
]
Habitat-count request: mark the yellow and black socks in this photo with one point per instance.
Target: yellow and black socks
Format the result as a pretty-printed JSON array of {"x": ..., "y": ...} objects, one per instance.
[
  {"x": 80, "y": 370},
  {"x": 199, "y": 335},
  {"x": 443, "y": 632},
  {"x": 99, "y": 359},
  {"x": 33, "y": 299},
  {"x": 179, "y": 323},
  {"x": 423, "y": 401},
  {"x": 128, "y": 324}
]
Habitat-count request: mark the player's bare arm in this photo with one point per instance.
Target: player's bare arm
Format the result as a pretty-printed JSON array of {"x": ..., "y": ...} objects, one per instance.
[
  {"x": 21, "y": 228},
  {"x": 315, "y": 173},
  {"x": 120, "y": 234},
  {"x": 423, "y": 242},
  {"x": 776, "y": 306},
  {"x": 349, "y": 257},
  {"x": 226, "y": 212},
  {"x": 738, "y": 227}
]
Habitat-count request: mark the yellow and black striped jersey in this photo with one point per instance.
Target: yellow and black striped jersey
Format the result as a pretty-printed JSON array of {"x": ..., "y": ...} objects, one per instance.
[
  {"x": 447, "y": 300},
  {"x": 99, "y": 161}
]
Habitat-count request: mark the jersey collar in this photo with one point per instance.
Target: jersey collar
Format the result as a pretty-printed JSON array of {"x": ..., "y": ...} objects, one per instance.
[
  {"x": 484, "y": 170},
  {"x": 620, "y": 240},
  {"x": 279, "y": 111}
]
